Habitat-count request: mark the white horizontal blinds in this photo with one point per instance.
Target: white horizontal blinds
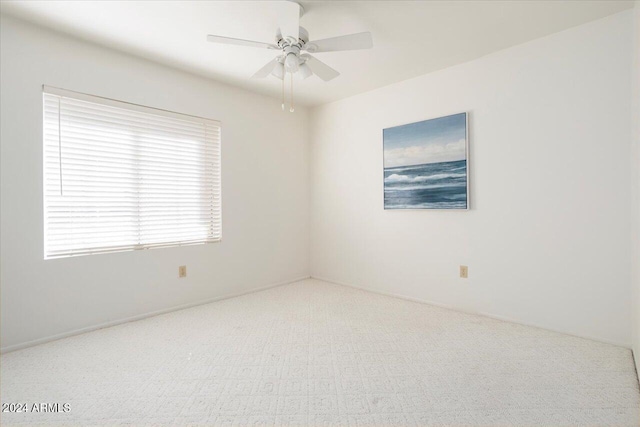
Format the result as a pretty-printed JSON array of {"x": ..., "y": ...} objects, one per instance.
[{"x": 120, "y": 177}]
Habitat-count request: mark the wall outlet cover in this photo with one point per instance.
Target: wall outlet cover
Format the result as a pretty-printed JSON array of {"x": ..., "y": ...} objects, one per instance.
[{"x": 464, "y": 271}]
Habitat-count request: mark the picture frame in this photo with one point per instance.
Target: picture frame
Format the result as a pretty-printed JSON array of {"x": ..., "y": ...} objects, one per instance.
[{"x": 426, "y": 164}]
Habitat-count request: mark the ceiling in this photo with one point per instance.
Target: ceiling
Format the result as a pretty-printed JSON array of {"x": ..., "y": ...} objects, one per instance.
[{"x": 411, "y": 38}]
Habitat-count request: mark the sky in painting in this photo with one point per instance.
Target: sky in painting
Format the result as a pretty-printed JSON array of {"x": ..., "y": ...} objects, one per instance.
[{"x": 430, "y": 141}]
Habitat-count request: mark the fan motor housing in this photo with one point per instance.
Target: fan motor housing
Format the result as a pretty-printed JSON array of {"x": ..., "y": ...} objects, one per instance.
[{"x": 303, "y": 38}]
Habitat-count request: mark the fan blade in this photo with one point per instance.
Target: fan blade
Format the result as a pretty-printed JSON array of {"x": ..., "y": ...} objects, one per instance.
[
  {"x": 320, "y": 69},
  {"x": 266, "y": 70},
  {"x": 334, "y": 44},
  {"x": 289, "y": 20},
  {"x": 240, "y": 42}
]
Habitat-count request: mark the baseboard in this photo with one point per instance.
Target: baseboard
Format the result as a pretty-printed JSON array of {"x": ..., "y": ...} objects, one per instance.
[
  {"x": 461, "y": 310},
  {"x": 38, "y": 341}
]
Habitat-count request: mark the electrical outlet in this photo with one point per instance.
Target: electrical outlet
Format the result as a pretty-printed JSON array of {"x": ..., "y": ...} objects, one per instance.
[
  {"x": 464, "y": 271},
  {"x": 182, "y": 271}
]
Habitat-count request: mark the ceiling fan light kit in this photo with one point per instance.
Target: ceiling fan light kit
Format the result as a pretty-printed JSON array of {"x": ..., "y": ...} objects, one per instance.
[{"x": 291, "y": 41}]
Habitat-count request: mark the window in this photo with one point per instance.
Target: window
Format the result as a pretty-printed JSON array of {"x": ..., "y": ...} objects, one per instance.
[{"x": 119, "y": 176}]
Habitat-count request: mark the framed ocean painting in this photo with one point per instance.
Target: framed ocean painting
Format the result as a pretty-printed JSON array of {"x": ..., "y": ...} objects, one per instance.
[{"x": 426, "y": 164}]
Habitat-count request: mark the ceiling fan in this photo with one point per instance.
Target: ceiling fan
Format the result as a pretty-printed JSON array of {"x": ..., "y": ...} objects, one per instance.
[{"x": 293, "y": 43}]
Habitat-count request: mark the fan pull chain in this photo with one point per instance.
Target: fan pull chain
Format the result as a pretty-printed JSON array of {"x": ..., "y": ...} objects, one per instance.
[
  {"x": 291, "y": 109},
  {"x": 283, "y": 77}
]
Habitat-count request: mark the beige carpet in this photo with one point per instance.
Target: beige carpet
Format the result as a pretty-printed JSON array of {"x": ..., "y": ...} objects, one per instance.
[{"x": 317, "y": 354}]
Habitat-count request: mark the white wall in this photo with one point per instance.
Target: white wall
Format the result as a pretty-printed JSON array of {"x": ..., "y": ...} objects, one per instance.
[
  {"x": 265, "y": 192},
  {"x": 635, "y": 165},
  {"x": 547, "y": 237}
]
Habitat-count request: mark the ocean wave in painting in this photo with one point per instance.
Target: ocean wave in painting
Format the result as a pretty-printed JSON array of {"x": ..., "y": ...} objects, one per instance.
[{"x": 428, "y": 186}]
